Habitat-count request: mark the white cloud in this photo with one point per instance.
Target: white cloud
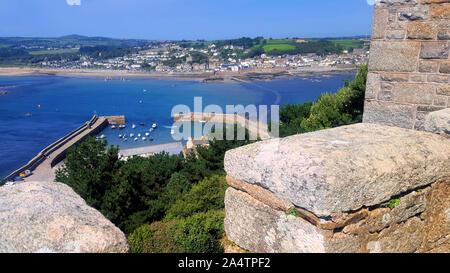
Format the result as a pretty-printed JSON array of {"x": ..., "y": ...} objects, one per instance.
[{"x": 73, "y": 2}]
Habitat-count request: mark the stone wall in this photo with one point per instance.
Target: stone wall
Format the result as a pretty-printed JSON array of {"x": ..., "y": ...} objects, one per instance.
[
  {"x": 358, "y": 188},
  {"x": 409, "y": 67}
]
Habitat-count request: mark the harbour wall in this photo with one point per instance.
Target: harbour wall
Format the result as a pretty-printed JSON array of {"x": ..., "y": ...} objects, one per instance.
[
  {"x": 49, "y": 150},
  {"x": 257, "y": 129}
]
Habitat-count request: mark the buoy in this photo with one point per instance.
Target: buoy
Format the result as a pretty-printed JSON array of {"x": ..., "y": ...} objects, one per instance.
[{"x": 39, "y": 106}]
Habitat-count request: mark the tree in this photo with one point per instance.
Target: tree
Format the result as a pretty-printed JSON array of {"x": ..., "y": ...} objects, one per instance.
[
  {"x": 330, "y": 110},
  {"x": 206, "y": 195},
  {"x": 89, "y": 169}
]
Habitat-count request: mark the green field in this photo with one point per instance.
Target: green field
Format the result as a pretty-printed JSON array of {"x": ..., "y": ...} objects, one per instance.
[
  {"x": 283, "y": 47},
  {"x": 347, "y": 44}
]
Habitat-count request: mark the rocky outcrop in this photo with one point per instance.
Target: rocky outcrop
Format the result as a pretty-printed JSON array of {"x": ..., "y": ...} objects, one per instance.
[
  {"x": 359, "y": 188},
  {"x": 51, "y": 217},
  {"x": 342, "y": 169},
  {"x": 438, "y": 122}
]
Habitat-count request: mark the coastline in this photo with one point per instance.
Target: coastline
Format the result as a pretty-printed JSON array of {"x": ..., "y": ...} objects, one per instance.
[{"x": 241, "y": 76}]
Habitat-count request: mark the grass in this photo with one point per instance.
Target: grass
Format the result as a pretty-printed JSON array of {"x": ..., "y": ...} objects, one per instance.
[
  {"x": 347, "y": 44},
  {"x": 281, "y": 47}
]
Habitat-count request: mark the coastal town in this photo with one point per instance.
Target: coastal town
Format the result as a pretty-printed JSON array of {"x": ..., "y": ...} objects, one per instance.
[{"x": 171, "y": 57}]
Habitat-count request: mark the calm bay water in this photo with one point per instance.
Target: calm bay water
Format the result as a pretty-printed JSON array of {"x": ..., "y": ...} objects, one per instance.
[{"x": 68, "y": 102}]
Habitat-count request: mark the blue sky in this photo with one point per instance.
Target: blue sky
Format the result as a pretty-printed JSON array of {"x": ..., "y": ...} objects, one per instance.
[{"x": 185, "y": 19}]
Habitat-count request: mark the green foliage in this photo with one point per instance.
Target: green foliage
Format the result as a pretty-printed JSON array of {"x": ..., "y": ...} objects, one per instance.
[
  {"x": 330, "y": 110},
  {"x": 394, "y": 203},
  {"x": 2, "y": 182},
  {"x": 158, "y": 237},
  {"x": 201, "y": 232},
  {"x": 293, "y": 212},
  {"x": 206, "y": 195},
  {"x": 89, "y": 170}
]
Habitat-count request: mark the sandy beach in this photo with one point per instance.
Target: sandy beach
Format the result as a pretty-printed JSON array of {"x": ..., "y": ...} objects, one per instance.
[{"x": 247, "y": 75}]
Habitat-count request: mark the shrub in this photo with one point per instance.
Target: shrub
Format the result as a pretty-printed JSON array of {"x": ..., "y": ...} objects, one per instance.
[
  {"x": 201, "y": 233},
  {"x": 158, "y": 237},
  {"x": 206, "y": 195}
]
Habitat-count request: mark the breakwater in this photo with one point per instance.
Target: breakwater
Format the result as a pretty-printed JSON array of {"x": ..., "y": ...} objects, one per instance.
[
  {"x": 42, "y": 164},
  {"x": 255, "y": 128}
]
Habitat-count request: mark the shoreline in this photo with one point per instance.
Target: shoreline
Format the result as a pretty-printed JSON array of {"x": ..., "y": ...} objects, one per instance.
[{"x": 242, "y": 76}]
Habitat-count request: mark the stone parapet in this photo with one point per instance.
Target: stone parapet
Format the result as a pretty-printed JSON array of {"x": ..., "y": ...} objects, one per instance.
[
  {"x": 51, "y": 217},
  {"x": 358, "y": 188},
  {"x": 409, "y": 67}
]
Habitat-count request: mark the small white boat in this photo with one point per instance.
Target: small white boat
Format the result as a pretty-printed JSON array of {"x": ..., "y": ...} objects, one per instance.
[
  {"x": 139, "y": 135},
  {"x": 154, "y": 125},
  {"x": 133, "y": 126},
  {"x": 131, "y": 135},
  {"x": 120, "y": 136},
  {"x": 147, "y": 134},
  {"x": 122, "y": 126},
  {"x": 151, "y": 129},
  {"x": 125, "y": 139},
  {"x": 113, "y": 126},
  {"x": 136, "y": 139},
  {"x": 144, "y": 139},
  {"x": 172, "y": 132},
  {"x": 101, "y": 137}
]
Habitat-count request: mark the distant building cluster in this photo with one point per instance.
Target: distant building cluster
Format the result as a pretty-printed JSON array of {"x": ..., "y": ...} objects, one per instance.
[{"x": 171, "y": 57}]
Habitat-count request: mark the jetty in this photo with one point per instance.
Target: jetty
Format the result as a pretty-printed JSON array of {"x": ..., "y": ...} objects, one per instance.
[
  {"x": 42, "y": 166},
  {"x": 257, "y": 129}
]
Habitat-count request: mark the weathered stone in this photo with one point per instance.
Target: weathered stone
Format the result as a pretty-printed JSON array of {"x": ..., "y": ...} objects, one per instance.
[
  {"x": 309, "y": 171},
  {"x": 259, "y": 228},
  {"x": 403, "y": 238},
  {"x": 438, "y": 122},
  {"x": 414, "y": 93},
  {"x": 435, "y": 1},
  {"x": 380, "y": 21},
  {"x": 421, "y": 30},
  {"x": 394, "y": 56},
  {"x": 373, "y": 85},
  {"x": 440, "y": 101},
  {"x": 428, "y": 66},
  {"x": 260, "y": 194},
  {"x": 445, "y": 67},
  {"x": 418, "y": 78},
  {"x": 389, "y": 3},
  {"x": 444, "y": 35},
  {"x": 385, "y": 96},
  {"x": 394, "y": 77},
  {"x": 434, "y": 50},
  {"x": 428, "y": 108},
  {"x": 413, "y": 13},
  {"x": 386, "y": 86},
  {"x": 51, "y": 217},
  {"x": 389, "y": 114},
  {"x": 441, "y": 12},
  {"x": 443, "y": 90},
  {"x": 395, "y": 34},
  {"x": 438, "y": 78}
]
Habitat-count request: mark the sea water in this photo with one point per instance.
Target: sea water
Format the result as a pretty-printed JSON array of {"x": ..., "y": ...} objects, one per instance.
[{"x": 38, "y": 110}]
